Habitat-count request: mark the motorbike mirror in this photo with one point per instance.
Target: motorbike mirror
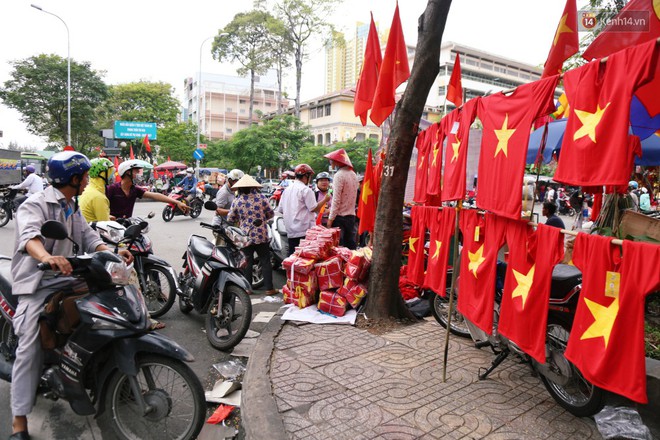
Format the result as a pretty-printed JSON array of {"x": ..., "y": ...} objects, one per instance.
[
  {"x": 133, "y": 231},
  {"x": 210, "y": 205},
  {"x": 143, "y": 225},
  {"x": 54, "y": 230},
  {"x": 151, "y": 214}
]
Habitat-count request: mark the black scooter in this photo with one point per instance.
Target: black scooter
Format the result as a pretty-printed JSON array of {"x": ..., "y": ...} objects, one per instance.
[
  {"x": 9, "y": 202},
  {"x": 101, "y": 355}
]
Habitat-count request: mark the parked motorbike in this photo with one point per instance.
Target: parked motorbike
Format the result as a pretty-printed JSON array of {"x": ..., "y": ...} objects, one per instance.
[
  {"x": 279, "y": 250},
  {"x": 195, "y": 205},
  {"x": 561, "y": 378},
  {"x": 212, "y": 282},
  {"x": 10, "y": 200},
  {"x": 105, "y": 360},
  {"x": 156, "y": 277}
]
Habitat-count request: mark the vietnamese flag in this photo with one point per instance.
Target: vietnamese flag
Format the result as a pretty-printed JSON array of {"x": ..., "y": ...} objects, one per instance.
[
  {"x": 611, "y": 39},
  {"x": 456, "y": 125},
  {"x": 132, "y": 156},
  {"x": 420, "y": 216},
  {"x": 147, "y": 145},
  {"x": 455, "y": 89},
  {"x": 367, "y": 203},
  {"x": 565, "y": 42},
  {"x": 393, "y": 72},
  {"x": 366, "y": 86},
  {"x": 117, "y": 176}
]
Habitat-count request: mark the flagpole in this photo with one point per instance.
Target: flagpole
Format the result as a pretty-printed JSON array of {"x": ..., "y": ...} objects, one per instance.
[{"x": 454, "y": 272}]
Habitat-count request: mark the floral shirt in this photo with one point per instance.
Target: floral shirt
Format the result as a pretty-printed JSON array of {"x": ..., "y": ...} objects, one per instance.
[{"x": 246, "y": 208}]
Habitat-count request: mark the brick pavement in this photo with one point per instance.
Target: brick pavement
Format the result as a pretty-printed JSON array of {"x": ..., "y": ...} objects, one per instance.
[{"x": 340, "y": 382}]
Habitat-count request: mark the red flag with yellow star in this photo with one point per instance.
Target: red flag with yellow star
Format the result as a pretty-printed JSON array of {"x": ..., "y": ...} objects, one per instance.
[
  {"x": 366, "y": 86},
  {"x": 607, "y": 338},
  {"x": 419, "y": 216},
  {"x": 455, "y": 87},
  {"x": 565, "y": 42},
  {"x": 367, "y": 204},
  {"x": 393, "y": 72},
  {"x": 442, "y": 223},
  {"x": 117, "y": 176},
  {"x": 524, "y": 306},
  {"x": 595, "y": 149},
  {"x": 507, "y": 120},
  {"x": 423, "y": 144},
  {"x": 437, "y": 135},
  {"x": 456, "y": 126},
  {"x": 482, "y": 238}
]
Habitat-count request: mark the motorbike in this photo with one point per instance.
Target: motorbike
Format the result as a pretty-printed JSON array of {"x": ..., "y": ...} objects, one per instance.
[
  {"x": 279, "y": 250},
  {"x": 565, "y": 207},
  {"x": 560, "y": 377},
  {"x": 155, "y": 276},
  {"x": 10, "y": 200},
  {"x": 212, "y": 283},
  {"x": 195, "y": 205},
  {"x": 101, "y": 356}
]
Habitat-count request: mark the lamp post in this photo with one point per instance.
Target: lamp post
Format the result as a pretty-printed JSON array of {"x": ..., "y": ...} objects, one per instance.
[
  {"x": 199, "y": 84},
  {"x": 68, "y": 73}
]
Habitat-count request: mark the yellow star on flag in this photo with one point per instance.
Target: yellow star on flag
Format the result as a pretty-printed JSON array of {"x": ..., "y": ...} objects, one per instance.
[
  {"x": 436, "y": 254},
  {"x": 503, "y": 136},
  {"x": 524, "y": 284},
  {"x": 589, "y": 122},
  {"x": 562, "y": 28},
  {"x": 421, "y": 163},
  {"x": 436, "y": 148},
  {"x": 366, "y": 191},
  {"x": 476, "y": 259},
  {"x": 604, "y": 320},
  {"x": 455, "y": 146},
  {"x": 411, "y": 243}
]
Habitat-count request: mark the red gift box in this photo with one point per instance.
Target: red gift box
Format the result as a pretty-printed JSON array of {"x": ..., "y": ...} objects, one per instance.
[
  {"x": 342, "y": 252},
  {"x": 329, "y": 273},
  {"x": 331, "y": 302},
  {"x": 355, "y": 294},
  {"x": 297, "y": 264},
  {"x": 302, "y": 289},
  {"x": 357, "y": 266}
]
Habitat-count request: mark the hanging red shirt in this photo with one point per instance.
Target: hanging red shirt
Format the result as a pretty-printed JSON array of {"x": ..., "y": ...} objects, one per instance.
[
  {"x": 442, "y": 224},
  {"x": 456, "y": 126},
  {"x": 595, "y": 149},
  {"x": 524, "y": 306},
  {"x": 435, "y": 159},
  {"x": 421, "y": 173},
  {"x": 607, "y": 339},
  {"x": 420, "y": 216},
  {"x": 476, "y": 297},
  {"x": 507, "y": 120}
]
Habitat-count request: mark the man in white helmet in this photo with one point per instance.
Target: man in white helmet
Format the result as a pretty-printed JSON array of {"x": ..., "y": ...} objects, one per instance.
[
  {"x": 189, "y": 184},
  {"x": 122, "y": 194}
]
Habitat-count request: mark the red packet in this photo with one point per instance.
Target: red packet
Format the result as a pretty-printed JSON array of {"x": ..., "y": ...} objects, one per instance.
[
  {"x": 355, "y": 294},
  {"x": 329, "y": 273},
  {"x": 331, "y": 302}
]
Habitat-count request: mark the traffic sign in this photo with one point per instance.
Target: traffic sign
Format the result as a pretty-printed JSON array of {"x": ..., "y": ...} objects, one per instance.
[
  {"x": 202, "y": 146},
  {"x": 198, "y": 154}
]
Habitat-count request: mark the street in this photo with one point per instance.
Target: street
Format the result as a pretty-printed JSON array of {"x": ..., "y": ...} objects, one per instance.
[{"x": 55, "y": 420}]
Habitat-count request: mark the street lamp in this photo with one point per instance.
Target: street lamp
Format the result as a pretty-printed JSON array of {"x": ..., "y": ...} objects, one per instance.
[
  {"x": 199, "y": 82},
  {"x": 68, "y": 73}
]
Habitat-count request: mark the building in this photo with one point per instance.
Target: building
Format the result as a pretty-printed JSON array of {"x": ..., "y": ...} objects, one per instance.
[
  {"x": 225, "y": 101},
  {"x": 343, "y": 59}
]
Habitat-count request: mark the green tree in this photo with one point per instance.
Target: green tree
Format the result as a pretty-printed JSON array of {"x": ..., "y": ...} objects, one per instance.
[
  {"x": 38, "y": 90},
  {"x": 141, "y": 101},
  {"x": 248, "y": 43},
  {"x": 281, "y": 49},
  {"x": 357, "y": 151},
  {"x": 217, "y": 155},
  {"x": 177, "y": 140},
  {"x": 304, "y": 20}
]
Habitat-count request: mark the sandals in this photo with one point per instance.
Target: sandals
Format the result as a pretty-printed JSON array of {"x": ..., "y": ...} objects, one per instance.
[
  {"x": 156, "y": 325},
  {"x": 271, "y": 292}
]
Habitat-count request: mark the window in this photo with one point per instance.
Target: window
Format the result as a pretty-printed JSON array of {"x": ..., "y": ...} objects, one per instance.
[
  {"x": 242, "y": 111},
  {"x": 373, "y": 136},
  {"x": 242, "y": 101},
  {"x": 360, "y": 137},
  {"x": 319, "y": 140},
  {"x": 268, "y": 104},
  {"x": 229, "y": 109},
  {"x": 327, "y": 139},
  {"x": 229, "y": 131},
  {"x": 327, "y": 109},
  {"x": 242, "y": 123}
]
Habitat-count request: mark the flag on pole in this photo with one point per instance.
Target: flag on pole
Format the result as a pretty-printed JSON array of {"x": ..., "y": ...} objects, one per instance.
[
  {"x": 393, "y": 72},
  {"x": 147, "y": 145},
  {"x": 566, "y": 41},
  {"x": 366, "y": 86},
  {"x": 367, "y": 203},
  {"x": 132, "y": 156},
  {"x": 455, "y": 89},
  {"x": 117, "y": 176}
]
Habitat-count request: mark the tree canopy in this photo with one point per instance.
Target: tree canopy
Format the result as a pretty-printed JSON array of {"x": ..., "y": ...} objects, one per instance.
[
  {"x": 141, "y": 101},
  {"x": 357, "y": 151},
  {"x": 177, "y": 140}
]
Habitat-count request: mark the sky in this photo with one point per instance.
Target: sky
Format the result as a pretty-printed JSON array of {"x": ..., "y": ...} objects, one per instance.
[{"x": 157, "y": 40}]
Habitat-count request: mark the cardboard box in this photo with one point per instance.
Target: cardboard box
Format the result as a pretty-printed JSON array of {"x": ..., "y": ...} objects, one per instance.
[{"x": 635, "y": 224}]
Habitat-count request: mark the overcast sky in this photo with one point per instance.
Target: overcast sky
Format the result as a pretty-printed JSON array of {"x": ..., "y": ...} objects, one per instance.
[{"x": 157, "y": 40}]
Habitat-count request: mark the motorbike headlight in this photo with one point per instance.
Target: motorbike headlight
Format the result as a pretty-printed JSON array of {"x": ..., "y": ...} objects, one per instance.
[
  {"x": 112, "y": 234},
  {"x": 102, "y": 324},
  {"x": 119, "y": 272}
]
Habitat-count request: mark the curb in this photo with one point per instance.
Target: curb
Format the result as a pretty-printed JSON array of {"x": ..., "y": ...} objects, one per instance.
[
  {"x": 653, "y": 385},
  {"x": 258, "y": 407}
]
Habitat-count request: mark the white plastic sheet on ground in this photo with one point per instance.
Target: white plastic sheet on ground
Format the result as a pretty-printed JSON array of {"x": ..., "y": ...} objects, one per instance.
[{"x": 312, "y": 314}]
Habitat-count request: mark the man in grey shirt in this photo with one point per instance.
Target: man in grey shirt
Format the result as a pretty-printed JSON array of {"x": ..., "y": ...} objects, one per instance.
[{"x": 223, "y": 199}]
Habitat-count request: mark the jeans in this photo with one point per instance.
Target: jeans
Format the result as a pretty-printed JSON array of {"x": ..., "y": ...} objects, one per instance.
[
  {"x": 347, "y": 225},
  {"x": 263, "y": 252}
]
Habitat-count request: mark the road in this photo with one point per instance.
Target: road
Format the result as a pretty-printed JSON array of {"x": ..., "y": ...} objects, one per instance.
[{"x": 55, "y": 420}]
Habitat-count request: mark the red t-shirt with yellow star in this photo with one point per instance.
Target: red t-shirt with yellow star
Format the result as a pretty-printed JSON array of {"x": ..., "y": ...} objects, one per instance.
[
  {"x": 456, "y": 126},
  {"x": 435, "y": 159},
  {"x": 422, "y": 170},
  {"x": 607, "y": 338},
  {"x": 595, "y": 149},
  {"x": 507, "y": 120}
]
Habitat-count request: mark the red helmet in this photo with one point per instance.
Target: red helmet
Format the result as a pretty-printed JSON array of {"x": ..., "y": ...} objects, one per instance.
[{"x": 303, "y": 169}]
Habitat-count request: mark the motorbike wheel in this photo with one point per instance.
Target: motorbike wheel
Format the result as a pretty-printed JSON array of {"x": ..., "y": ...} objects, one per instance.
[
  {"x": 257, "y": 272},
  {"x": 168, "y": 213},
  {"x": 578, "y": 396},
  {"x": 172, "y": 390},
  {"x": 160, "y": 292},
  {"x": 273, "y": 202},
  {"x": 440, "y": 311},
  {"x": 228, "y": 329},
  {"x": 196, "y": 208},
  {"x": 4, "y": 216}
]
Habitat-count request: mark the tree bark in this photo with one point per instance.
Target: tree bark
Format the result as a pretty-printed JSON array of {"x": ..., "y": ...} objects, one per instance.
[
  {"x": 251, "y": 107},
  {"x": 384, "y": 297}
]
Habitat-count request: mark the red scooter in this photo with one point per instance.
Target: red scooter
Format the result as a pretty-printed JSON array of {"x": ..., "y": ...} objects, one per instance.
[{"x": 178, "y": 193}]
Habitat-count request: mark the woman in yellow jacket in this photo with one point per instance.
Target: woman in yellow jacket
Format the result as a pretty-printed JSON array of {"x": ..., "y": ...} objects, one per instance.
[{"x": 93, "y": 202}]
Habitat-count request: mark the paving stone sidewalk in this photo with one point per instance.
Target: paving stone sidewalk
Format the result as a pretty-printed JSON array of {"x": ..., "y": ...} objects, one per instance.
[{"x": 340, "y": 382}]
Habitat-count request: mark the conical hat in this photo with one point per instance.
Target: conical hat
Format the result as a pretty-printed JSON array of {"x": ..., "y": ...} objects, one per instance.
[
  {"x": 246, "y": 181},
  {"x": 340, "y": 156}
]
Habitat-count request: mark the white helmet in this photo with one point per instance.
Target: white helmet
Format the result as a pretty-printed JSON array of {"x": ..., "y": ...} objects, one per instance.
[
  {"x": 190, "y": 171},
  {"x": 129, "y": 165},
  {"x": 235, "y": 174}
]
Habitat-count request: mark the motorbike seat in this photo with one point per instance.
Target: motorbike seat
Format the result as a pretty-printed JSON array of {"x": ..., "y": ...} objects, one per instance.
[
  {"x": 5, "y": 281},
  {"x": 201, "y": 248},
  {"x": 564, "y": 279}
]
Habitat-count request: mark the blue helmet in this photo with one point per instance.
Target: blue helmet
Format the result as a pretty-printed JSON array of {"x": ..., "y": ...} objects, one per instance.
[
  {"x": 30, "y": 169},
  {"x": 66, "y": 164}
]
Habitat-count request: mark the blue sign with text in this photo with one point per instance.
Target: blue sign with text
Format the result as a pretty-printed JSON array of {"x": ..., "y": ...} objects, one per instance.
[{"x": 135, "y": 130}]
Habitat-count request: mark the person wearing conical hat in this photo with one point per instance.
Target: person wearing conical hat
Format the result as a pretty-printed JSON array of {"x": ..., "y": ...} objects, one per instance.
[{"x": 344, "y": 193}]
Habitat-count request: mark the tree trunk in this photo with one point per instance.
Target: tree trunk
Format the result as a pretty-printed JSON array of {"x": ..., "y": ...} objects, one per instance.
[
  {"x": 384, "y": 297},
  {"x": 251, "y": 107},
  {"x": 279, "y": 88},
  {"x": 299, "y": 62}
]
